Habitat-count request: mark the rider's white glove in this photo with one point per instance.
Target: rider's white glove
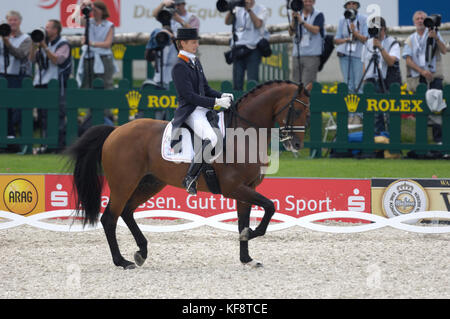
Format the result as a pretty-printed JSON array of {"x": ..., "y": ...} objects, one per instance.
[
  {"x": 228, "y": 95},
  {"x": 224, "y": 102}
]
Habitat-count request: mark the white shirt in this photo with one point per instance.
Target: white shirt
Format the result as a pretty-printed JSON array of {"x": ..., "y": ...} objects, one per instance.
[
  {"x": 368, "y": 50},
  {"x": 246, "y": 32}
]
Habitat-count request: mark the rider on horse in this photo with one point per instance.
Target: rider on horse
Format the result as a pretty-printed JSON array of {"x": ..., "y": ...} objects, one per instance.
[{"x": 195, "y": 100}]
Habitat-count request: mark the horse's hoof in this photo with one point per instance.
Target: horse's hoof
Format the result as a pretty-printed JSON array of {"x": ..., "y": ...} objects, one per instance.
[
  {"x": 125, "y": 264},
  {"x": 138, "y": 259},
  {"x": 245, "y": 234},
  {"x": 253, "y": 264}
]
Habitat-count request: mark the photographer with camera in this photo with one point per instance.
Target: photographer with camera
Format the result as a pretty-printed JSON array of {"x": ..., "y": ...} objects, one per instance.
[
  {"x": 350, "y": 38},
  {"x": 423, "y": 52},
  {"x": 175, "y": 11},
  {"x": 307, "y": 27},
  {"x": 423, "y": 68},
  {"x": 52, "y": 54},
  {"x": 97, "y": 59},
  {"x": 248, "y": 20},
  {"x": 380, "y": 56},
  {"x": 14, "y": 65}
]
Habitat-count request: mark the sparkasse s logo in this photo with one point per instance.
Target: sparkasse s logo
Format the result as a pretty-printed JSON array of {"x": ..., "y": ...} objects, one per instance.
[{"x": 67, "y": 8}]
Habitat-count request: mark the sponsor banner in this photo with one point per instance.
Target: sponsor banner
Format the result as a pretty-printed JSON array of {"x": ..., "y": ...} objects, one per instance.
[
  {"x": 22, "y": 194},
  {"x": 392, "y": 198},
  {"x": 136, "y": 15},
  {"x": 294, "y": 197}
]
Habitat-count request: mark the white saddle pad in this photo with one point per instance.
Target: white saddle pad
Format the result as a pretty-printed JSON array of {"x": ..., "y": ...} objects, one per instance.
[{"x": 187, "y": 149}]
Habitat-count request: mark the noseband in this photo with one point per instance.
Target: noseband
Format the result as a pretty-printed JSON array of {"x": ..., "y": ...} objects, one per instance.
[{"x": 287, "y": 131}]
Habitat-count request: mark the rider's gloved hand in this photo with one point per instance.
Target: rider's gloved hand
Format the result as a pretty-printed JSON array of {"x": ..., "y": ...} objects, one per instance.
[
  {"x": 224, "y": 102},
  {"x": 228, "y": 95}
]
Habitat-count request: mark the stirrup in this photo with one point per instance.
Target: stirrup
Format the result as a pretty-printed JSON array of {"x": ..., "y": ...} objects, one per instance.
[{"x": 190, "y": 183}]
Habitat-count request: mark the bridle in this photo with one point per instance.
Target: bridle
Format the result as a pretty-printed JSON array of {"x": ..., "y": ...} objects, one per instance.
[{"x": 287, "y": 131}]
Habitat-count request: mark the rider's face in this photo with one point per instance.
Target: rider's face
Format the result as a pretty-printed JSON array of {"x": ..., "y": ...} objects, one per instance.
[{"x": 190, "y": 46}]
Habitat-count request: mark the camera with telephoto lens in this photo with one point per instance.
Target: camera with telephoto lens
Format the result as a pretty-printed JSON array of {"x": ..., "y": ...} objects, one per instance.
[
  {"x": 295, "y": 5},
  {"x": 433, "y": 21},
  {"x": 162, "y": 39},
  {"x": 87, "y": 10},
  {"x": 38, "y": 35},
  {"x": 5, "y": 30},
  {"x": 350, "y": 14},
  {"x": 228, "y": 5},
  {"x": 165, "y": 15},
  {"x": 374, "y": 32}
]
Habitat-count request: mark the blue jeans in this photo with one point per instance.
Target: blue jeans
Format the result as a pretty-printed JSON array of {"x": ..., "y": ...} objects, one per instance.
[
  {"x": 249, "y": 63},
  {"x": 355, "y": 66}
]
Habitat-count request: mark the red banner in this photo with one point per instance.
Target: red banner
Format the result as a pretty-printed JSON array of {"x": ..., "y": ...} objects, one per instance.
[{"x": 291, "y": 196}]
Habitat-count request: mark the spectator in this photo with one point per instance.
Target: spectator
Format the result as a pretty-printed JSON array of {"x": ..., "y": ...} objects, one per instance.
[
  {"x": 423, "y": 69},
  {"x": 307, "y": 27},
  {"x": 14, "y": 64},
  {"x": 53, "y": 58},
  {"x": 161, "y": 50},
  {"x": 167, "y": 54},
  {"x": 350, "y": 38},
  {"x": 100, "y": 61},
  {"x": 387, "y": 51},
  {"x": 181, "y": 17},
  {"x": 249, "y": 24}
]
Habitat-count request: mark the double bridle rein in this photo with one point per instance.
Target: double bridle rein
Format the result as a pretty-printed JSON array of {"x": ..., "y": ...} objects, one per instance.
[{"x": 287, "y": 131}]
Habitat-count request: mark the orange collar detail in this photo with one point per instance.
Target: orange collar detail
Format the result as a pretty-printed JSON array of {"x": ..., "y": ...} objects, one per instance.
[{"x": 183, "y": 57}]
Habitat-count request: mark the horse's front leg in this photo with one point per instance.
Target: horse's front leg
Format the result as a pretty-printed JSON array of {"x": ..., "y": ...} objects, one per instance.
[{"x": 246, "y": 197}]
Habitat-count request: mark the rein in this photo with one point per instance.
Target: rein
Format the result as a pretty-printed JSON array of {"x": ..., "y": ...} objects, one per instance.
[{"x": 288, "y": 129}]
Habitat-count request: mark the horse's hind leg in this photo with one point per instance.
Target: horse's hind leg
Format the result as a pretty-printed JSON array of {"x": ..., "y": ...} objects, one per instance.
[{"x": 148, "y": 186}]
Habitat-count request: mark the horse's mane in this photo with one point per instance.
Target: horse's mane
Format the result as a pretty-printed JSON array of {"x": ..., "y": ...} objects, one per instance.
[{"x": 262, "y": 87}]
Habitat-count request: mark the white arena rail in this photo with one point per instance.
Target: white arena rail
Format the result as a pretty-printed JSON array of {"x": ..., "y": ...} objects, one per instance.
[{"x": 405, "y": 222}]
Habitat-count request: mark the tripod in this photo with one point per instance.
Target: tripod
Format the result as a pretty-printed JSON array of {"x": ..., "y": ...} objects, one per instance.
[
  {"x": 379, "y": 119},
  {"x": 297, "y": 39},
  {"x": 89, "y": 59},
  {"x": 375, "y": 59}
]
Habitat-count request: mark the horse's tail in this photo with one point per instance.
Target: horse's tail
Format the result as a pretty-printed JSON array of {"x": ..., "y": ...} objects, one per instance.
[{"x": 86, "y": 155}]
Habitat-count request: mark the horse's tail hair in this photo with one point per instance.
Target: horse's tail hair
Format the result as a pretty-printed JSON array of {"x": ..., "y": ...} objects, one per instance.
[{"x": 86, "y": 156}]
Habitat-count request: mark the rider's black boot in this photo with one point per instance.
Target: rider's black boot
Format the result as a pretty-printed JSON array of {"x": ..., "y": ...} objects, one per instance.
[{"x": 190, "y": 181}]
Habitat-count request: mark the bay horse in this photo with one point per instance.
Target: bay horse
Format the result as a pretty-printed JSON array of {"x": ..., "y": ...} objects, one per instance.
[{"x": 130, "y": 156}]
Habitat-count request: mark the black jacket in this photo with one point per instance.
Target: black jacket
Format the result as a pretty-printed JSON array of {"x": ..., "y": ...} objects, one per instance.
[{"x": 192, "y": 90}]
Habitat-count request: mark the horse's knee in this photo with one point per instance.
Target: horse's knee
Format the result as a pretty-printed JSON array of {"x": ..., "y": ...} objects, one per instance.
[{"x": 270, "y": 209}]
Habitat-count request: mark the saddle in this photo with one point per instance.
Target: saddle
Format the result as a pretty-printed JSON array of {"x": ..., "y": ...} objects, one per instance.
[{"x": 181, "y": 150}]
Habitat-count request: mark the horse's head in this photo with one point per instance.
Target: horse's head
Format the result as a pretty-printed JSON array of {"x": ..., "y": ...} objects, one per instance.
[{"x": 292, "y": 118}]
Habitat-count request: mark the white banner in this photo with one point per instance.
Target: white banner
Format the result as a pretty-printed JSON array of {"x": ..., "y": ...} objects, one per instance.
[{"x": 136, "y": 15}]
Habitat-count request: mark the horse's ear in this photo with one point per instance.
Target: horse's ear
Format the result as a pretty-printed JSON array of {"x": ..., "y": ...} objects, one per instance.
[{"x": 309, "y": 87}]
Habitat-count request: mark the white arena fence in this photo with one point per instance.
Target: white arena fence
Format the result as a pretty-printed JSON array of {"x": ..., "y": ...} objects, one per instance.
[{"x": 407, "y": 222}]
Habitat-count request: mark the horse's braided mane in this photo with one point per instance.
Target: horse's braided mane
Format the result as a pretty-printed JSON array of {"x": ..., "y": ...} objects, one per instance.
[{"x": 261, "y": 87}]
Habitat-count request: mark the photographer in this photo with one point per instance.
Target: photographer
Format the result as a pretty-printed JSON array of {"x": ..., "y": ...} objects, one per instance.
[
  {"x": 423, "y": 67},
  {"x": 14, "y": 65},
  {"x": 249, "y": 25},
  {"x": 419, "y": 71},
  {"x": 380, "y": 54},
  {"x": 181, "y": 18},
  {"x": 307, "y": 27},
  {"x": 99, "y": 61},
  {"x": 52, "y": 54},
  {"x": 350, "y": 38},
  {"x": 161, "y": 48},
  {"x": 162, "y": 52}
]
